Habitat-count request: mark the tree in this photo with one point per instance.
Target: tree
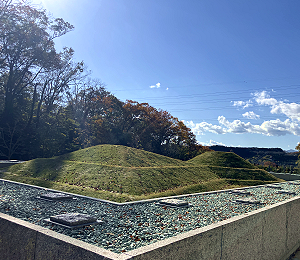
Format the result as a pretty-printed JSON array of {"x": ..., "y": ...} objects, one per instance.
[
  {"x": 51, "y": 88},
  {"x": 48, "y": 106},
  {"x": 26, "y": 53},
  {"x": 298, "y": 148},
  {"x": 158, "y": 131},
  {"x": 97, "y": 113},
  {"x": 4, "y": 6},
  {"x": 26, "y": 50}
]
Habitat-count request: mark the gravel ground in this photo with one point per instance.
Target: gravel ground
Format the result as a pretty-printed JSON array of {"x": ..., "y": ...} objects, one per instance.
[{"x": 131, "y": 226}]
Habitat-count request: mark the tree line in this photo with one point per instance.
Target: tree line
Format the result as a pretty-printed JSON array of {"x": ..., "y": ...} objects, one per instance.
[{"x": 50, "y": 105}]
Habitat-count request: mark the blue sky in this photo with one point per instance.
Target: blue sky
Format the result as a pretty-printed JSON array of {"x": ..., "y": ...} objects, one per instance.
[{"x": 228, "y": 69}]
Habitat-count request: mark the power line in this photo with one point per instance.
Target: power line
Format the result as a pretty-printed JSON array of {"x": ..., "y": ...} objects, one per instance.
[
  {"x": 222, "y": 93},
  {"x": 213, "y": 84}
]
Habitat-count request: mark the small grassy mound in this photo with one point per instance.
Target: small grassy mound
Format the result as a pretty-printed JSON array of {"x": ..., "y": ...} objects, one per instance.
[
  {"x": 122, "y": 173},
  {"x": 222, "y": 159},
  {"x": 118, "y": 155}
]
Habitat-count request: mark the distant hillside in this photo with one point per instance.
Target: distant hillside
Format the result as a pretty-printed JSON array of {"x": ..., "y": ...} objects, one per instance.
[
  {"x": 122, "y": 173},
  {"x": 258, "y": 155}
]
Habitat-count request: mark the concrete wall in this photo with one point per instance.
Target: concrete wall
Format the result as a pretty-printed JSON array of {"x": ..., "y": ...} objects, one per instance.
[
  {"x": 8, "y": 163},
  {"x": 22, "y": 240},
  {"x": 269, "y": 233},
  {"x": 286, "y": 176}
]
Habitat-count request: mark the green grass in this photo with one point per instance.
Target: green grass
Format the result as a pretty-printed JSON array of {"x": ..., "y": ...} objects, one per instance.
[
  {"x": 223, "y": 159},
  {"x": 122, "y": 173}
]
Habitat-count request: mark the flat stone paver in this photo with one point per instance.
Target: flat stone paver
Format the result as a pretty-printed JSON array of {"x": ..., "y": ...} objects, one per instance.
[
  {"x": 240, "y": 192},
  {"x": 55, "y": 196},
  {"x": 174, "y": 202},
  {"x": 73, "y": 220}
]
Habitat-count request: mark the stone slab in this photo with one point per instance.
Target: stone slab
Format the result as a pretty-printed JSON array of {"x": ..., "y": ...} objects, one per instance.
[
  {"x": 273, "y": 186},
  {"x": 294, "y": 182},
  {"x": 73, "y": 220},
  {"x": 55, "y": 196},
  {"x": 286, "y": 192},
  {"x": 248, "y": 201},
  {"x": 241, "y": 192},
  {"x": 174, "y": 203}
]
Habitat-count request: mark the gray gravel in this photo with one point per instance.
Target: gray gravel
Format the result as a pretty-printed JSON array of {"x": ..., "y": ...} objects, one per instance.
[{"x": 131, "y": 226}]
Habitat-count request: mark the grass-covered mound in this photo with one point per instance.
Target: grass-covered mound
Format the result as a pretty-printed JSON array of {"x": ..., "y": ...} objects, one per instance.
[
  {"x": 222, "y": 159},
  {"x": 122, "y": 173},
  {"x": 118, "y": 155}
]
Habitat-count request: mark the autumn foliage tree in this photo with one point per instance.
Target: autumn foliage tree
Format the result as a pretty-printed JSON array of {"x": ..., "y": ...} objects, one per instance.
[
  {"x": 157, "y": 131},
  {"x": 50, "y": 106},
  {"x": 97, "y": 113}
]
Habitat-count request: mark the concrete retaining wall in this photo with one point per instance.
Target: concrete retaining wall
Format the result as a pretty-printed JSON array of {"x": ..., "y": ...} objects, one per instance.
[
  {"x": 286, "y": 176},
  {"x": 272, "y": 232},
  {"x": 6, "y": 163}
]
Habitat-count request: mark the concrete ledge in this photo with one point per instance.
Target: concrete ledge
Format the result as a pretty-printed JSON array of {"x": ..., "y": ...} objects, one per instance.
[
  {"x": 8, "y": 163},
  {"x": 22, "y": 240},
  {"x": 286, "y": 176},
  {"x": 267, "y": 233},
  {"x": 272, "y": 232}
]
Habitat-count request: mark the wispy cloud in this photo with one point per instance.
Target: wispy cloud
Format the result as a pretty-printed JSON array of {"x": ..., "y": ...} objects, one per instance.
[
  {"x": 251, "y": 115},
  {"x": 243, "y": 104},
  {"x": 157, "y": 85}
]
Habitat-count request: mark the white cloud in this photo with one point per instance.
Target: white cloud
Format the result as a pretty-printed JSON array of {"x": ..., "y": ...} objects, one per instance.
[
  {"x": 243, "y": 104},
  {"x": 291, "y": 110},
  {"x": 262, "y": 98},
  {"x": 236, "y": 126},
  {"x": 274, "y": 127},
  {"x": 202, "y": 127},
  {"x": 211, "y": 143},
  {"x": 279, "y": 128},
  {"x": 167, "y": 88},
  {"x": 157, "y": 85},
  {"x": 268, "y": 128},
  {"x": 251, "y": 115}
]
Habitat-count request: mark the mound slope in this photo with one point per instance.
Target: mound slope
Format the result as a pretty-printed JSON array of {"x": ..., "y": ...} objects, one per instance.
[
  {"x": 118, "y": 155},
  {"x": 122, "y": 173},
  {"x": 222, "y": 159}
]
